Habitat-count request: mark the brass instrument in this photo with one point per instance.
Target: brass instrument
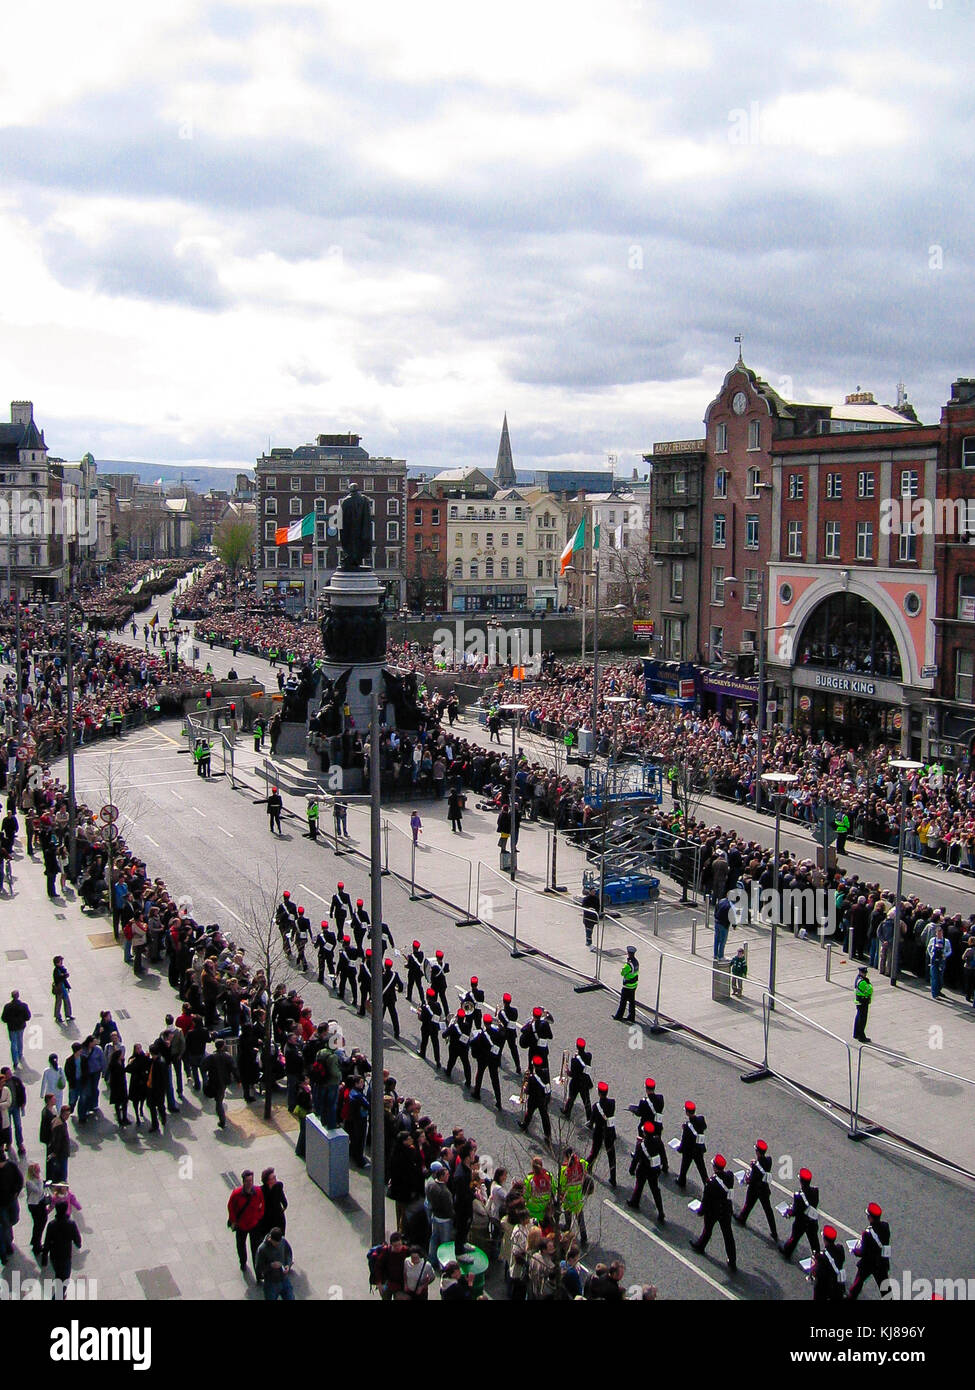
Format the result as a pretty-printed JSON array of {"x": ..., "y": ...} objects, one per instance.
[
  {"x": 563, "y": 1080},
  {"x": 522, "y": 1098}
]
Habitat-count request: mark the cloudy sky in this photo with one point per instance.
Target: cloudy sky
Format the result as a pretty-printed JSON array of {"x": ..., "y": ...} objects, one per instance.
[{"x": 222, "y": 224}]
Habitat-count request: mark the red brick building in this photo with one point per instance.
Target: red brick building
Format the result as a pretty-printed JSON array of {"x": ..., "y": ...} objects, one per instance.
[
  {"x": 952, "y": 708},
  {"x": 426, "y": 547}
]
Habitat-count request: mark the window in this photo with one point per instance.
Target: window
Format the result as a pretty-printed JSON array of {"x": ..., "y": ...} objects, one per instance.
[
  {"x": 320, "y": 505},
  {"x": 368, "y": 485},
  {"x": 548, "y": 569},
  {"x": 418, "y": 543},
  {"x": 909, "y": 482},
  {"x": 865, "y": 484},
  {"x": 677, "y": 526},
  {"x": 320, "y": 484},
  {"x": 797, "y": 486},
  {"x": 749, "y": 640},
  {"x": 489, "y": 568},
  {"x": 677, "y": 581},
  {"x": 294, "y": 557},
  {"x": 754, "y": 434},
  {"x": 504, "y": 539},
  {"x": 541, "y": 570},
  {"x": 832, "y": 550},
  {"x": 717, "y": 584},
  {"x": 392, "y": 506},
  {"x": 834, "y": 486},
  {"x": 720, "y": 529},
  {"x": 673, "y": 632},
  {"x": 474, "y": 541},
  {"x": 721, "y": 439},
  {"x": 864, "y": 540},
  {"x": 520, "y": 538},
  {"x": 679, "y": 484},
  {"x": 434, "y": 516},
  {"x": 270, "y": 558},
  {"x": 435, "y": 544},
  {"x": 270, "y": 506},
  {"x": 717, "y": 644},
  {"x": 907, "y": 544},
  {"x": 458, "y": 539},
  {"x": 417, "y": 516},
  {"x": 473, "y": 569},
  {"x": 295, "y": 483},
  {"x": 453, "y": 513},
  {"x": 795, "y": 540},
  {"x": 964, "y": 676},
  {"x": 520, "y": 568},
  {"x": 321, "y": 531},
  {"x": 503, "y": 513},
  {"x": 612, "y": 518},
  {"x": 968, "y": 452},
  {"x": 504, "y": 567},
  {"x": 295, "y": 506},
  {"x": 721, "y": 483},
  {"x": 751, "y": 532},
  {"x": 270, "y": 483},
  {"x": 392, "y": 530},
  {"x": 269, "y": 529},
  {"x": 753, "y": 479},
  {"x": 518, "y": 514},
  {"x": 750, "y": 596},
  {"x": 549, "y": 542},
  {"x": 458, "y": 569},
  {"x": 489, "y": 540}
]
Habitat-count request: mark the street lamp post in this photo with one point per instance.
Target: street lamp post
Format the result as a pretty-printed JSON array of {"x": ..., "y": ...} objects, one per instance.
[
  {"x": 780, "y": 781},
  {"x": 617, "y": 702},
  {"x": 595, "y": 655},
  {"x": 516, "y": 711},
  {"x": 904, "y": 766}
]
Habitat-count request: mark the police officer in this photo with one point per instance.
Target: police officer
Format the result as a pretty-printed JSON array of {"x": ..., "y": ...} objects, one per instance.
[
  {"x": 430, "y": 1024},
  {"x": 539, "y": 1091},
  {"x": 274, "y": 808},
  {"x": 603, "y": 1125},
  {"x": 828, "y": 1274},
  {"x": 458, "y": 1033},
  {"x": 873, "y": 1253},
  {"x": 580, "y": 1081},
  {"x": 258, "y": 735},
  {"x": 804, "y": 1211},
  {"x": 439, "y": 970},
  {"x": 311, "y": 812},
  {"x": 646, "y": 1165},
  {"x": 716, "y": 1210},
  {"x": 340, "y": 907},
  {"x": 392, "y": 985},
  {"x": 590, "y": 915},
  {"x": 757, "y": 1189},
  {"x": 692, "y": 1145},
  {"x": 863, "y": 993},
  {"x": 325, "y": 943},
  {"x": 631, "y": 977},
  {"x": 507, "y": 1016},
  {"x": 347, "y": 957},
  {"x": 414, "y": 973},
  {"x": 487, "y": 1043}
]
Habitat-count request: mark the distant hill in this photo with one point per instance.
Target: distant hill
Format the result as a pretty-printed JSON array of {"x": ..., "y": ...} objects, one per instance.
[{"x": 201, "y": 479}]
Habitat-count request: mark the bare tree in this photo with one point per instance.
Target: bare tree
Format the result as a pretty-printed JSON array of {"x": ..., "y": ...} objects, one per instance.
[
  {"x": 426, "y": 577},
  {"x": 233, "y": 541},
  {"x": 259, "y": 937}
]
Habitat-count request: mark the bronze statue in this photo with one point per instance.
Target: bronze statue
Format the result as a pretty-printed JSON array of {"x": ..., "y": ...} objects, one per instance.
[{"x": 356, "y": 532}]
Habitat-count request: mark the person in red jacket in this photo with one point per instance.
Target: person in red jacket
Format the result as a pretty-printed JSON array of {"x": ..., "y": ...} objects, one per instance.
[{"x": 245, "y": 1212}]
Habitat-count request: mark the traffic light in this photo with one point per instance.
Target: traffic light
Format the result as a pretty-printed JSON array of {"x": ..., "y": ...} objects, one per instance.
[
  {"x": 233, "y": 711},
  {"x": 209, "y": 698},
  {"x": 825, "y": 834}
]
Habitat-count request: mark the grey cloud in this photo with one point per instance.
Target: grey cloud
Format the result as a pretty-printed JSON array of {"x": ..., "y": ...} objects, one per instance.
[{"x": 135, "y": 262}]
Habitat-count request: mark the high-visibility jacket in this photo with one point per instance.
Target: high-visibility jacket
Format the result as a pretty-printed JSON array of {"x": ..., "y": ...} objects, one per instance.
[
  {"x": 570, "y": 1184},
  {"x": 864, "y": 991},
  {"x": 630, "y": 974},
  {"x": 538, "y": 1193}
]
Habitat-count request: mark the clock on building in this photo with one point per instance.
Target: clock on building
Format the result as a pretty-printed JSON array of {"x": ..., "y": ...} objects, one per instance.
[{"x": 739, "y": 403}]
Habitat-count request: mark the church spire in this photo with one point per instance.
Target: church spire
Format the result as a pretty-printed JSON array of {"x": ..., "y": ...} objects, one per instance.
[{"x": 504, "y": 469}]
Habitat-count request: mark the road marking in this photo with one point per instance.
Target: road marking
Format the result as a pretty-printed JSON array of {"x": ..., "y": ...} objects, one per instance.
[
  {"x": 230, "y": 910},
  {"x": 305, "y": 889},
  {"x": 224, "y": 832},
  {"x": 830, "y": 1220},
  {"x": 199, "y": 812},
  {"x": 689, "y": 1264},
  {"x": 178, "y": 797},
  {"x": 152, "y": 841}
]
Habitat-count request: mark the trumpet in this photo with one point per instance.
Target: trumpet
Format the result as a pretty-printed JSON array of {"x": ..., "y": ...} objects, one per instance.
[
  {"x": 564, "y": 1071},
  {"x": 522, "y": 1098}
]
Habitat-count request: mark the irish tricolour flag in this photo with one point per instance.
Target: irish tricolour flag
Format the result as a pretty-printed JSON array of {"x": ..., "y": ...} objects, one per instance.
[
  {"x": 576, "y": 542},
  {"x": 302, "y": 530}
]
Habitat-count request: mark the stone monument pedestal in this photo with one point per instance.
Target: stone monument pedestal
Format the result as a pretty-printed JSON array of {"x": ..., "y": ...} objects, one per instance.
[{"x": 354, "y": 637}]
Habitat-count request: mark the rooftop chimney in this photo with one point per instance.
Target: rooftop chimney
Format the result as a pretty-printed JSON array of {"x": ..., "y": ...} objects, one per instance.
[{"x": 859, "y": 397}]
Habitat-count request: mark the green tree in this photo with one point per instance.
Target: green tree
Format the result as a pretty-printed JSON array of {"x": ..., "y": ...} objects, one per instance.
[{"x": 233, "y": 541}]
